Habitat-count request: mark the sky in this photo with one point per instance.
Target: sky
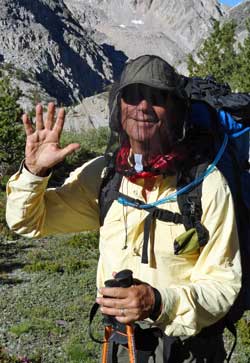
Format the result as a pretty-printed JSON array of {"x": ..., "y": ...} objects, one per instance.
[{"x": 231, "y": 2}]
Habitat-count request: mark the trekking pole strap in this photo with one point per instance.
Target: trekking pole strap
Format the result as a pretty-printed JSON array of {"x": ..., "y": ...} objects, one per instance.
[
  {"x": 92, "y": 314},
  {"x": 113, "y": 338},
  {"x": 231, "y": 327}
]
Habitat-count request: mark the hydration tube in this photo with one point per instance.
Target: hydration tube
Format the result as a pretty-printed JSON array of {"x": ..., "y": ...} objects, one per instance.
[
  {"x": 239, "y": 133},
  {"x": 172, "y": 197},
  {"x": 229, "y": 125}
]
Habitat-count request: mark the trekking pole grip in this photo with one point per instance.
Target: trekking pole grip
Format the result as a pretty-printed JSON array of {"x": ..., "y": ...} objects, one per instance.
[{"x": 123, "y": 278}]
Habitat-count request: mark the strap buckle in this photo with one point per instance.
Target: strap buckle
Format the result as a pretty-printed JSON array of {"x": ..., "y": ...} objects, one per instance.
[{"x": 176, "y": 218}]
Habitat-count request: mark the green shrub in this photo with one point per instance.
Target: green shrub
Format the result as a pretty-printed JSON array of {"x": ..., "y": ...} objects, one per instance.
[
  {"x": 77, "y": 352},
  {"x": 12, "y": 138},
  {"x": 21, "y": 328},
  {"x": 48, "y": 266},
  {"x": 9, "y": 67},
  {"x": 6, "y": 358},
  {"x": 93, "y": 143},
  {"x": 3, "y": 182},
  {"x": 243, "y": 329},
  {"x": 67, "y": 255},
  {"x": 87, "y": 240},
  {"x": 5, "y": 233},
  {"x": 35, "y": 324},
  {"x": 22, "y": 75}
]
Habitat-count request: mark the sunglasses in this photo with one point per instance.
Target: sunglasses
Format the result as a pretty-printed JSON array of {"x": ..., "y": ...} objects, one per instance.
[{"x": 135, "y": 93}]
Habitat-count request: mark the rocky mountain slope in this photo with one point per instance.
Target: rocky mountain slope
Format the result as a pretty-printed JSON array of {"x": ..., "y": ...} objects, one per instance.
[
  {"x": 240, "y": 14},
  {"x": 44, "y": 40},
  {"x": 68, "y": 50},
  {"x": 91, "y": 112},
  {"x": 167, "y": 28}
]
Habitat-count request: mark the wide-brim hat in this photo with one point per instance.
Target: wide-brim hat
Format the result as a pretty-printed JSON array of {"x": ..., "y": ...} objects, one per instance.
[{"x": 149, "y": 70}]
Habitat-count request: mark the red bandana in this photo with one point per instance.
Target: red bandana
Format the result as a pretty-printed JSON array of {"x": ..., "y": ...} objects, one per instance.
[{"x": 161, "y": 164}]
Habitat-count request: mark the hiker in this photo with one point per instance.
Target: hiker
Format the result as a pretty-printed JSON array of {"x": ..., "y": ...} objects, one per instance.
[{"x": 186, "y": 279}]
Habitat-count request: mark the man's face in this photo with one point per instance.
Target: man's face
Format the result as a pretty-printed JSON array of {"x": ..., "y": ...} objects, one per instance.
[{"x": 145, "y": 116}]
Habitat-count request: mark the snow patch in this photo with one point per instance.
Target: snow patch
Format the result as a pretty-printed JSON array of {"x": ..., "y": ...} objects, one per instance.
[{"x": 137, "y": 22}]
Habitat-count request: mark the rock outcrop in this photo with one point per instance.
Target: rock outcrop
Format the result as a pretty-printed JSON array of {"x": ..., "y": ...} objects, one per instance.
[
  {"x": 239, "y": 14},
  {"x": 43, "y": 39}
]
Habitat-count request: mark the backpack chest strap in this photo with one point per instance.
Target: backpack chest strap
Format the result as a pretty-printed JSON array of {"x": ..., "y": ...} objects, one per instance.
[
  {"x": 189, "y": 204},
  {"x": 160, "y": 214}
]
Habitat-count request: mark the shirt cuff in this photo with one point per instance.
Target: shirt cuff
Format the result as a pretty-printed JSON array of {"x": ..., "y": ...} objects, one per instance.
[
  {"x": 170, "y": 302},
  {"x": 32, "y": 177},
  {"x": 156, "y": 309}
]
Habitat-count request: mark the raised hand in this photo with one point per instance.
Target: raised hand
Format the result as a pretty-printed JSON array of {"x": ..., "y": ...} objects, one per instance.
[{"x": 42, "y": 149}]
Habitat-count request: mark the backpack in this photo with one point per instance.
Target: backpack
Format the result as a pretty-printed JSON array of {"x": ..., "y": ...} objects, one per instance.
[
  {"x": 233, "y": 116},
  {"x": 228, "y": 114}
]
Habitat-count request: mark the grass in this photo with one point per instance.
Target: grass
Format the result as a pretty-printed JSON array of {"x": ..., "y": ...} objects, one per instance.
[{"x": 45, "y": 314}]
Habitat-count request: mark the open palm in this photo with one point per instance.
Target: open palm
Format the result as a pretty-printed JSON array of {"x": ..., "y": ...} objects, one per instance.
[{"x": 42, "y": 149}]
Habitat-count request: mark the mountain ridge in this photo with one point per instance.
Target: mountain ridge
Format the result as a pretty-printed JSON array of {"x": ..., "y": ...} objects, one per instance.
[{"x": 67, "y": 50}]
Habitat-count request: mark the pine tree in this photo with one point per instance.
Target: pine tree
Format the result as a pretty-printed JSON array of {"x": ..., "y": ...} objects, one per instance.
[
  {"x": 11, "y": 131},
  {"x": 241, "y": 77},
  {"x": 217, "y": 55}
]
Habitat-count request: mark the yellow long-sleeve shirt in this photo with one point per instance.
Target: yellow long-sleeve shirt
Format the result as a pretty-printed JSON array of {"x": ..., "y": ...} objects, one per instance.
[{"x": 197, "y": 288}]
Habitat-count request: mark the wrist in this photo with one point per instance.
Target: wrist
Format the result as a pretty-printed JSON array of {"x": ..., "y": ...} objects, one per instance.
[
  {"x": 157, "y": 305},
  {"x": 42, "y": 172}
]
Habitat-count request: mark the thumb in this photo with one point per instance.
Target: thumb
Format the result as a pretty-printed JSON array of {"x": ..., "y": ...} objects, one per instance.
[{"x": 69, "y": 149}]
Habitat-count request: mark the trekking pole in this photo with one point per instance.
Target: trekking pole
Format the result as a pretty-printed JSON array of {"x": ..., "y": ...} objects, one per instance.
[
  {"x": 123, "y": 278},
  {"x": 107, "y": 334},
  {"x": 115, "y": 333},
  {"x": 131, "y": 343}
]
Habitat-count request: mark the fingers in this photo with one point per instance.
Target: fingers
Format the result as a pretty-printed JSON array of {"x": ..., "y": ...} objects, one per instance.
[
  {"x": 48, "y": 124},
  {"x": 120, "y": 312},
  {"x": 60, "y": 121},
  {"x": 123, "y": 315},
  {"x": 39, "y": 117},
  {"x": 27, "y": 125},
  {"x": 115, "y": 292},
  {"x": 112, "y": 303},
  {"x": 126, "y": 316},
  {"x": 127, "y": 304}
]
